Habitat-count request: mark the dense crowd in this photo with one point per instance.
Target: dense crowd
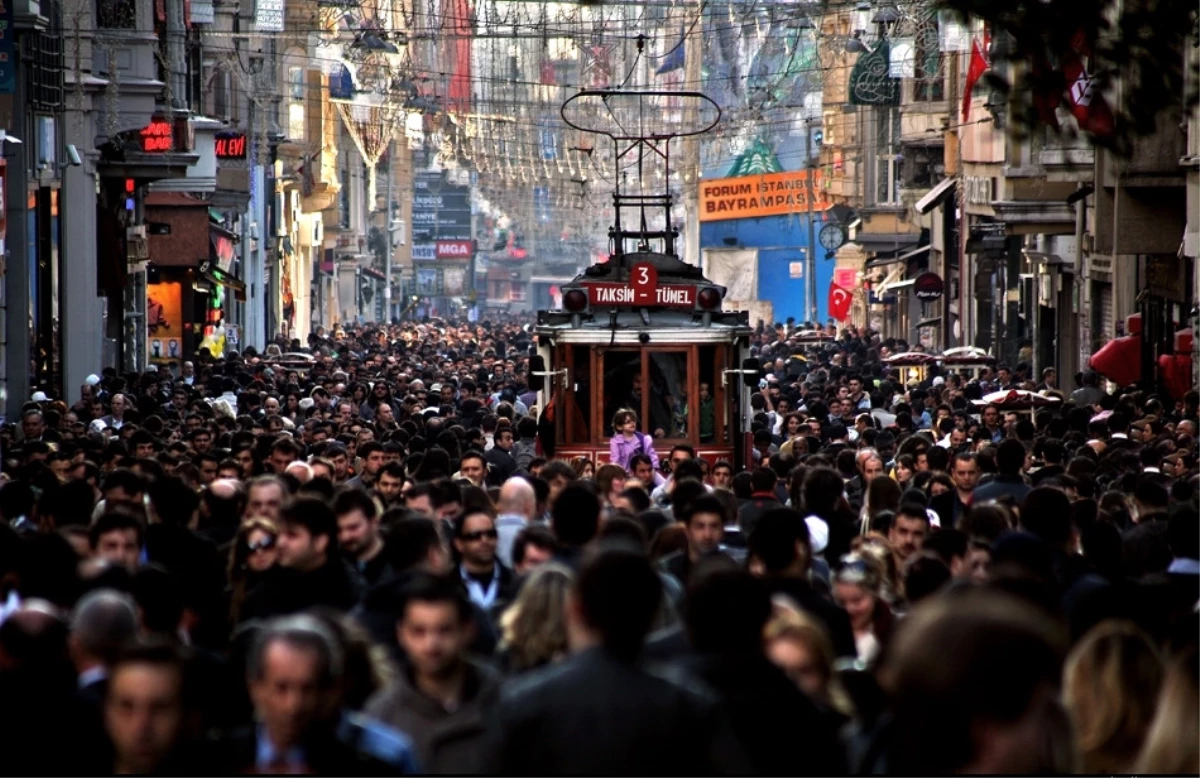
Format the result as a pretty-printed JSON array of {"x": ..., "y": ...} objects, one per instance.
[{"x": 370, "y": 561}]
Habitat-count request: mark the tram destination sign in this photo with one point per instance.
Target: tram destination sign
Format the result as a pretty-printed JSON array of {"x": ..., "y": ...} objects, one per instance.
[{"x": 666, "y": 296}]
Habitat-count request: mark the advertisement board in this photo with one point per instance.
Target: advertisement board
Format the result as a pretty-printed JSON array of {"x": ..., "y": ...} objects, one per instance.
[
  {"x": 751, "y": 197},
  {"x": 164, "y": 321}
]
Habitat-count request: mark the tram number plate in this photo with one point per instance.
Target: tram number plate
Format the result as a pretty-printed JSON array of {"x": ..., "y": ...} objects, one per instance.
[
  {"x": 668, "y": 296},
  {"x": 643, "y": 277}
]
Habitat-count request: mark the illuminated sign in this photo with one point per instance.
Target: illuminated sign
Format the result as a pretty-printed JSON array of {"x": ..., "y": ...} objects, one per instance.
[
  {"x": 668, "y": 296},
  {"x": 454, "y": 249},
  {"x": 231, "y": 145},
  {"x": 749, "y": 197},
  {"x": 158, "y": 135}
]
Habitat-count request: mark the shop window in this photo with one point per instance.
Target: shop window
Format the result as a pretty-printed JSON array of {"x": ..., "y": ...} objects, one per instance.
[
  {"x": 622, "y": 387},
  {"x": 705, "y": 407}
]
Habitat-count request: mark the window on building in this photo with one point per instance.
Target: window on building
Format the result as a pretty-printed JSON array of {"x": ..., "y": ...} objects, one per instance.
[
  {"x": 887, "y": 155},
  {"x": 116, "y": 14},
  {"x": 923, "y": 166},
  {"x": 296, "y": 93},
  {"x": 516, "y": 292}
]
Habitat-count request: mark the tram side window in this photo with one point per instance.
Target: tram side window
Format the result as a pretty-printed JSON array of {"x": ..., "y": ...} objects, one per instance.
[
  {"x": 622, "y": 384},
  {"x": 668, "y": 394},
  {"x": 706, "y": 404},
  {"x": 579, "y": 395}
]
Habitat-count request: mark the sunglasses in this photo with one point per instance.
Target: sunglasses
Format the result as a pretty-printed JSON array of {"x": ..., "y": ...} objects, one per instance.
[
  {"x": 471, "y": 537},
  {"x": 265, "y": 544}
]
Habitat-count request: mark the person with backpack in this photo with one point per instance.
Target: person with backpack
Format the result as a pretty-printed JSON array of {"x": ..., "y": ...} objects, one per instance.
[{"x": 627, "y": 442}]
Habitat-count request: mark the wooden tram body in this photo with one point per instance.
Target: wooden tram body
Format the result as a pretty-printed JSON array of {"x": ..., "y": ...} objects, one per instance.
[{"x": 606, "y": 356}]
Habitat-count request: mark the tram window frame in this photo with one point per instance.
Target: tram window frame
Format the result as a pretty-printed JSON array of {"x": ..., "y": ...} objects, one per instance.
[
  {"x": 603, "y": 409},
  {"x": 578, "y": 358}
]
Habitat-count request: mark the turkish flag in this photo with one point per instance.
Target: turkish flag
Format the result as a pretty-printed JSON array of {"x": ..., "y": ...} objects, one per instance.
[
  {"x": 839, "y": 302},
  {"x": 1088, "y": 105},
  {"x": 979, "y": 66}
]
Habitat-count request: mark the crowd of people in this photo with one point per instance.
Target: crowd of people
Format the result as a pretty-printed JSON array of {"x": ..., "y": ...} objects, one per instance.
[{"x": 371, "y": 562}]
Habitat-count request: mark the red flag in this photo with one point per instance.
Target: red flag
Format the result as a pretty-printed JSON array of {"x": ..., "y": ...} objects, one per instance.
[
  {"x": 1088, "y": 105},
  {"x": 839, "y": 302},
  {"x": 979, "y": 66}
]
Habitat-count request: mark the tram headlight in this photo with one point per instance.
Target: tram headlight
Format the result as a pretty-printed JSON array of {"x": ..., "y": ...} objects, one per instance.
[
  {"x": 709, "y": 298},
  {"x": 575, "y": 300}
]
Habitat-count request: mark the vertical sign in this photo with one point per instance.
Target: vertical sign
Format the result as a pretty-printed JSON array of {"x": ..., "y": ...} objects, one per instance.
[{"x": 8, "y": 60}]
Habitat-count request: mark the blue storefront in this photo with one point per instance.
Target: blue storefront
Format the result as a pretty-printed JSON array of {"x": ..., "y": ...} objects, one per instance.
[{"x": 783, "y": 268}]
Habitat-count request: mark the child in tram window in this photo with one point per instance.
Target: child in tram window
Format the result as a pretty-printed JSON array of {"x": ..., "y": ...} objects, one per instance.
[{"x": 627, "y": 442}]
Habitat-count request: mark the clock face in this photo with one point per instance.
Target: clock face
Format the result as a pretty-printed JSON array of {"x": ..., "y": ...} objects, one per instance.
[{"x": 832, "y": 237}]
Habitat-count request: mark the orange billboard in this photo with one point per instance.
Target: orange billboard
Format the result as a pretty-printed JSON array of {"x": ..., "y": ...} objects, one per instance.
[{"x": 770, "y": 194}]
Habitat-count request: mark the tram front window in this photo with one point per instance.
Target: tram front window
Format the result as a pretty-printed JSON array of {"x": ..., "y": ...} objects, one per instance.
[{"x": 662, "y": 405}]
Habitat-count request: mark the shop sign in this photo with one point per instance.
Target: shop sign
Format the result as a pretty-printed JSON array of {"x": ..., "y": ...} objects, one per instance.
[
  {"x": 231, "y": 145},
  {"x": 454, "y": 249},
  {"x": 928, "y": 286},
  {"x": 750, "y": 197},
  {"x": 157, "y": 136}
]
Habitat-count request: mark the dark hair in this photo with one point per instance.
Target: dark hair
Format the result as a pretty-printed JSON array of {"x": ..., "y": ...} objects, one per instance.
[
  {"x": 726, "y": 610},
  {"x": 638, "y": 499},
  {"x": 947, "y": 544},
  {"x": 124, "y": 479},
  {"x": 348, "y": 499},
  {"x": 1046, "y": 513},
  {"x": 576, "y": 515},
  {"x": 1010, "y": 456},
  {"x": 686, "y": 491},
  {"x": 763, "y": 479},
  {"x": 924, "y": 575},
  {"x": 315, "y": 516},
  {"x": 773, "y": 540},
  {"x": 435, "y": 589},
  {"x": 410, "y": 538},
  {"x": 704, "y": 504},
  {"x": 112, "y": 521},
  {"x": 624, "y": 527},
  {"x": 539, "y": 537},
  {"x": 619, "y": 594}
]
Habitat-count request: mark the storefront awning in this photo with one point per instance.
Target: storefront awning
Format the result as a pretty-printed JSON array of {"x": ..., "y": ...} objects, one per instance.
[
  {"x": 886, "y": 288},
  {"x": 934, "y": 197},
  {"x": 215, "y": 275},
  {"x": 936, "y": 321},
  {"x": 881, "y": 261}
]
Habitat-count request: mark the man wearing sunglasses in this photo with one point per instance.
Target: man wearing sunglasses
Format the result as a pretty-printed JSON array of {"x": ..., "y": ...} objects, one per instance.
[{"x": 489, "y": 583}]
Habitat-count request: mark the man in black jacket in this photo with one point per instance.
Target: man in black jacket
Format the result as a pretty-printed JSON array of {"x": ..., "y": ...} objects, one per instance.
[
  {"x": 781, "y": 545},
  {"x": 781, "y": 729},
  {"x": 310, "y": 571},
  {"x": 600, "y": 712}
]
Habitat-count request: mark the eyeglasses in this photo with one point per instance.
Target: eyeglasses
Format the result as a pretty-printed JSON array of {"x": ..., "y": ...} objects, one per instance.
[
  {"x": 265, "y": 544},
  {"x": 471, "y": 537}
]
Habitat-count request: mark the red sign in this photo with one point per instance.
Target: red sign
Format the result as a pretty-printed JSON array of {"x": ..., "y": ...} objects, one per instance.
[
  {"x": 644, "y": 278},
  {"x": 453, "y": 249},
  {"x": 845, "y": 277},
  {"x": 625, "y": 294},
  {"x": 158, "y": 135},
  {"x": 231, "y": 145}
]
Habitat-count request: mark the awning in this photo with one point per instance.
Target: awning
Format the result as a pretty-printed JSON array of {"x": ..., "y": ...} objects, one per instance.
[
  {"x": 893, "y": 242},
  {"x": 217, "y": 276},
  {"x": 934, "y": 197},
  {"x": 881, "y": 261},
  {"x": 1039, "y": 257},
  {"x": 885, "y": 287},
  {"x": 373, "y": 273},
  {"x": 932, "y": 322}
]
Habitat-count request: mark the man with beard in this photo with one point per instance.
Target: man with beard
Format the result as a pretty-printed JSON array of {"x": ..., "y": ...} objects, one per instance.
[
  {"x": 358, "y": 534},
  {"x": 442, "y": 699}
]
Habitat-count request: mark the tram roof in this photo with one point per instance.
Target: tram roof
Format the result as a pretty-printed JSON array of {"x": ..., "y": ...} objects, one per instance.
[{"x": 663, "y": 326}]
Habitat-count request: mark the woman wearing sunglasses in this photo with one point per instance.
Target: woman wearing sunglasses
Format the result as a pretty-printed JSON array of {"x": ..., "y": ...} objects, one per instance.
[{"x": 254, "y": 552}]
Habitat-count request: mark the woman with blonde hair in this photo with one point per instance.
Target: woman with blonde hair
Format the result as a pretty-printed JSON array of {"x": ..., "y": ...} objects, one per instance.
[
  {"x": 533, "y": 631},
  {"x": 800, "y": 646},
  {"x": 858, "y": 587},
  {"x": 1110, "y": 682},
  {"x": 1171, "y": 745}
]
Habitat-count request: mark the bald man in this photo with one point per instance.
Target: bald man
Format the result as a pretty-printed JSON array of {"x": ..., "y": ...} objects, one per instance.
[
  {"x": 516, "y": 508},
  {"x": 302, "y": 470}
]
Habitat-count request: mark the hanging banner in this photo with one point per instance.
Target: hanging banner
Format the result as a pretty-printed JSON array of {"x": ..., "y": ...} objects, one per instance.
[
  {"x": 751, "y": 197},
  {"x": 164, "y": 321}
]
